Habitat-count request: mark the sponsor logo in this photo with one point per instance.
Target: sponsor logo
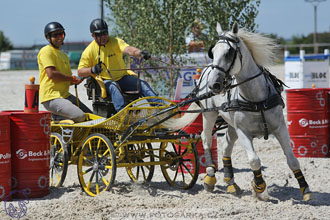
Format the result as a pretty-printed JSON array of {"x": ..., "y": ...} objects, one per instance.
[
  {"x": 294, "y": 75},
  {"x": 5, "y": 156},
  {"x": 319, "y": 75},
  {"x": 303, "y": 122},
  {"x": 22, "y": 154}
]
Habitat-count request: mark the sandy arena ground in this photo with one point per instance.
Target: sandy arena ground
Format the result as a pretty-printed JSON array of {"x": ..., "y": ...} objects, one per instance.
[{"x": 157, "y": 200}]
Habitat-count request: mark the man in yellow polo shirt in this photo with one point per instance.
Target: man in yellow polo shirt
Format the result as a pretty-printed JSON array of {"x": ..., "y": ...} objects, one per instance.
[
  {"x": 56, "y": 77},
  {"x": 109, "y": 51}
]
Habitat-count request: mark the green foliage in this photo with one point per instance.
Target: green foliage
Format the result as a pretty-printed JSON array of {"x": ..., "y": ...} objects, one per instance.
[
  {"x": 161, "y": 27},
  {"x": 4, "y": 43},
  {"x": 301, "y": 39},
  {"x": 279, "y": 40}
]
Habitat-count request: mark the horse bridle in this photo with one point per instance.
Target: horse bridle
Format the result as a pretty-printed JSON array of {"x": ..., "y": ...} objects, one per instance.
[
  {"x": 237, "y": 50},
  {"x": 227, "y": 40}
]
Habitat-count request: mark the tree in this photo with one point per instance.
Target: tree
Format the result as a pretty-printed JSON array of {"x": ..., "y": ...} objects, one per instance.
[
  {"x": 301, "y": 39},
  {"x": 162, "y": 26},
  {"x": 4, "y": 43}
]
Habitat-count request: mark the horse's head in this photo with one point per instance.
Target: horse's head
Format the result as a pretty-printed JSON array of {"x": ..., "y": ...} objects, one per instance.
[{"x": 227, "y": 59}]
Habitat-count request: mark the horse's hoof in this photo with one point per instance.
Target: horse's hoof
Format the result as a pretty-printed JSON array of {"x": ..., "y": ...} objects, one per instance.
[
  {"x": 307, "y": 196},
  {"x": 258, "y": 188},
  {"x": 209, "y": 183},
  {"x": 234, "y": 189},
  {"x": 208, "y": 187},
  {"x": 261, "y": 196}
]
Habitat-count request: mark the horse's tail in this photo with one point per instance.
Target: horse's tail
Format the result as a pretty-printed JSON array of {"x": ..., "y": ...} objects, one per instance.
[{"x": 186, "y": 119}]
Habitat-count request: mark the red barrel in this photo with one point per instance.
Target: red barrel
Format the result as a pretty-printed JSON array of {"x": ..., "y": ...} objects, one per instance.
[
  {"x": 30, "y": 145},
  {"x": 308, "y": 121},
  {"x": 196, "y": 128},
  {"x": 5, "y": 156}
]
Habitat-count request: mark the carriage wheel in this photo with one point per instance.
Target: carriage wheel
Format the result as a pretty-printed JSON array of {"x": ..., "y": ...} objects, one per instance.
[
  {"x": 58, "y": 160},
  {"x": 96, "y": 164},
  {"x": 182, "y": 168},
  {"x": 140, "y": 153}
]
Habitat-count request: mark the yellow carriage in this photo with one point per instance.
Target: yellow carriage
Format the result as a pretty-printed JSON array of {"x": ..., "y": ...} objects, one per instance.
[{"x": 133, "y": 138}]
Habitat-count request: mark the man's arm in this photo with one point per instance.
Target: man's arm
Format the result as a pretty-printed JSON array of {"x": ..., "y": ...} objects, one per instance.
[
  {"x": 55, "y": 75},
  {"x": 132, "y": 51},
  {"x": 84, "y": 72}
]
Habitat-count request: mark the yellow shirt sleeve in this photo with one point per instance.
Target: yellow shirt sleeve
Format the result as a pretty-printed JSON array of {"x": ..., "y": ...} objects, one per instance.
[
  {"x": 50, "y": 89},
  {"x": 111, "y": 55}
]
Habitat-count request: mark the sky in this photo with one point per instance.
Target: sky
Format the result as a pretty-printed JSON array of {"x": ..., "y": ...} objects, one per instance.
[{"x": 23, "y": 21}]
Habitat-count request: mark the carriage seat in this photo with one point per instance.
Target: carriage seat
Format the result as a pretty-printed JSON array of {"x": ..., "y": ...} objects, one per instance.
[{"x": 103, "y": 106}]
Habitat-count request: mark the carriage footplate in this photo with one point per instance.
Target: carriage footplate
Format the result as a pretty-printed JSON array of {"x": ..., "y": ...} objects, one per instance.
[{"x": 66, "y": 122}]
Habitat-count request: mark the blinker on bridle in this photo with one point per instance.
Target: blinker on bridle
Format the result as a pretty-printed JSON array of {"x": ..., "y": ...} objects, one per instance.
[
  {"x": 227, "y": 40},
  {"x": 228, "y": 78}
]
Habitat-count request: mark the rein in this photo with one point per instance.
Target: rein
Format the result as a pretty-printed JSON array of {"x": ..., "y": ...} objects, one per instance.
[
  {"x": 160, "y": 67},
  {"x": 237, "y": 84}
]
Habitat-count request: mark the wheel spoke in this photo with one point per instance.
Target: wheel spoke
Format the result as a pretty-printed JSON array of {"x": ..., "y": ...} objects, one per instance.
[
  {"x": 143, "y": 172},
  {"x": 90, "y": 181},
  {"x": 176, "y": 174},
  {"x": 97, "y": 183},
  {"x": 105, "y": 153},
  {"x": 185, "y": 151},
  {"x": 184, "y": 165},
  {"x": 88, "y": 160},
  {"x": 174, "y": 148},
  {"x": 105, "y": 181},
  {"x": 87, "y": 171},
  {"x": 183, "y": 177},
  {"x": 90, "y": 149},
  {"x": 97, "y": 149}
]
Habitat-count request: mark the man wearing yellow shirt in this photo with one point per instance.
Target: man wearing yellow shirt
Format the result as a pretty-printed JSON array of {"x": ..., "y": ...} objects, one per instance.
[
  {"x": 56, "y": 77},
  {"x": 109, "y": 51}
]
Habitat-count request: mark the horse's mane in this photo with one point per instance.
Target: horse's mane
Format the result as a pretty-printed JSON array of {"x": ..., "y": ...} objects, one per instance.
[{"x": 262, "y": 48}]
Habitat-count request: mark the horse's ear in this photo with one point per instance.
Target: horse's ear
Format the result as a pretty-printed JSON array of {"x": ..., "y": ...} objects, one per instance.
[
  {"x": 235, "y": 28},
  {"x": 219, "y": 29},
  {"x": 210, "y": 53}
]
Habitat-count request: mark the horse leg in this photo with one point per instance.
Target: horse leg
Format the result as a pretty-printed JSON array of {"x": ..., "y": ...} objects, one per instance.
[
  {"x": 258, "y": 183},
  {"x": 231, "y": 138},
  {"x": 284, "y": 140},
  {"x": 209, "y": 119}
]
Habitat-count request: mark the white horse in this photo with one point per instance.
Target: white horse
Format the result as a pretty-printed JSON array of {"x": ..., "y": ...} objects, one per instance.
[{"x": 247, "y": 100}]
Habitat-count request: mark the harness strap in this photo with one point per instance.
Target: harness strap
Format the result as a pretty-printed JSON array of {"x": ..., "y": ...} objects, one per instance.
[
  {"x": 269, "y": 103},
  {"x": 265, "y": 125},
  {"x": 239, "y": 105}
]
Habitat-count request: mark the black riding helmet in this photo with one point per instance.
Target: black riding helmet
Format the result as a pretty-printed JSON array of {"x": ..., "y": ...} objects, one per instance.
[
  {"x": 98, "y": 26},
  {"x": 51, "y": 27}
]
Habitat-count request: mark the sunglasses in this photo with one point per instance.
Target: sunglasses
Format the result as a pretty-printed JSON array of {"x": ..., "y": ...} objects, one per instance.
[
  {"x": 60, "y": 34},
  {"x": 101, "y": 34}
]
